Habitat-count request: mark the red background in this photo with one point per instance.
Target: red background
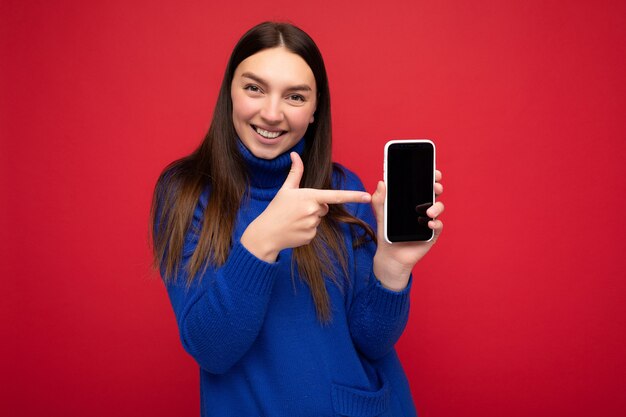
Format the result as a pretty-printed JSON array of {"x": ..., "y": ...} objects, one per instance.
[{"x": 518, "y": 310}]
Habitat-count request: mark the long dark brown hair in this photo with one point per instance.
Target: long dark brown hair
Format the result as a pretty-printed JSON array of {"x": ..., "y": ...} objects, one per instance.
[{"x": 217, "y": 164}]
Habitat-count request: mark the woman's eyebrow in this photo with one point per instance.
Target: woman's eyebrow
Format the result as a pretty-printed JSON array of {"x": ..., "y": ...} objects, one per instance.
[{"x": 301, "y": 87}]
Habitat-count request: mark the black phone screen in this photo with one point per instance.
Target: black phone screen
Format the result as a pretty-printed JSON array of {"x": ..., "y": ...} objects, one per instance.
[{"x": 410, "y": 181}]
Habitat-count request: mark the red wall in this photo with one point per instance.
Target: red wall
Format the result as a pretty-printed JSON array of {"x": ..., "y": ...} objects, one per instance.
[{"x": 519, "y": 309}]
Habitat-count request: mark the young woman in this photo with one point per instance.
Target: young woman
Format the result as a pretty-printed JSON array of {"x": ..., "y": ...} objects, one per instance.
[{"x": 269, "y": 254}]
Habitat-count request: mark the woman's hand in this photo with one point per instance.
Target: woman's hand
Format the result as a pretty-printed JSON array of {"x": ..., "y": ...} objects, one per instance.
[
  {"x": 292, "y": 217},
  {"x": 393, "y": 262}
]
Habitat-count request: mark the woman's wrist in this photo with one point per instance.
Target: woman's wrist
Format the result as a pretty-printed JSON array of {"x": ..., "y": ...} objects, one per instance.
[
  {"x": 391, "y": 274},
  {"x": 258, "y": 245}
]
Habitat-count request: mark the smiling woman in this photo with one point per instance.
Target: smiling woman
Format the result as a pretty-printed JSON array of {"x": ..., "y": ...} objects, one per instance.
[
  {"x": 274, "y": 98},
  {"x": 269, "y": 255}
]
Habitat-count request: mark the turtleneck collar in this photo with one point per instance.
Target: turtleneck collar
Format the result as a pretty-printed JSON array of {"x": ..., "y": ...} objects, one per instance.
[{"x": 268, "y": 175}]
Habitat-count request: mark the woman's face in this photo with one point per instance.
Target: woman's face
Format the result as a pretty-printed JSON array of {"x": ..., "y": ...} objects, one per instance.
[{"x": 274, "y": 97}]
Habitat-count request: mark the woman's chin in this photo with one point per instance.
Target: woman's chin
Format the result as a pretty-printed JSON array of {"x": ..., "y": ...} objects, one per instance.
[{"x": 269, "y": 148}]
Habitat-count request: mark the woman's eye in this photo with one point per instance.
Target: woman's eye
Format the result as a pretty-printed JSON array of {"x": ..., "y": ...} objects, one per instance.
[
  {"x": 296, "y": 97},
  {"x": 253, "y": 88}
]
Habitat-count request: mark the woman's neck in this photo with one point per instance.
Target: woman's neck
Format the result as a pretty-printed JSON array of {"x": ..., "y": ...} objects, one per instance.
[{"x": 266, "y": 176}]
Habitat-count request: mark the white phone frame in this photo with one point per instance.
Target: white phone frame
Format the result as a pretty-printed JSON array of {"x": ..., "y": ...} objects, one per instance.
[{"x": 391, "y": 142}]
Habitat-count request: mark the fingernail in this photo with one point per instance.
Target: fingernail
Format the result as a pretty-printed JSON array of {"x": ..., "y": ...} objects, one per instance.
[{"x": 366, "y": 197}]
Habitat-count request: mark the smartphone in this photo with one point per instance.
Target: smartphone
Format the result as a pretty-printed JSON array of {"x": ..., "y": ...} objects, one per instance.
[{"x": 409, "y": 171}]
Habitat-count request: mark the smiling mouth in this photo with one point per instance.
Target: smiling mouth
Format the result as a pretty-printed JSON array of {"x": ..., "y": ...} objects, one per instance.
[{"x": 266, "y": 133}]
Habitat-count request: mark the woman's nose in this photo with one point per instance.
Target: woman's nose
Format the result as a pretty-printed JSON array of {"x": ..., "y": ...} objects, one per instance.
[{"x": 271, "y": 111}]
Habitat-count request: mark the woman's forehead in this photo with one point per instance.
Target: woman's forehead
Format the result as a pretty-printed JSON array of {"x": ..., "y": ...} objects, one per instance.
[{"x": 277, "y": 66}]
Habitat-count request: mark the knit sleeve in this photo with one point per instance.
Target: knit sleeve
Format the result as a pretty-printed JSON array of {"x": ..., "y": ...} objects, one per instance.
[
  {"x": 220, "y": 315},
  {"x": 377, "y": 316}
]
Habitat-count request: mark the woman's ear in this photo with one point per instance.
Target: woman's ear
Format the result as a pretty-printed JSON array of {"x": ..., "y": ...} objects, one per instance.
[{"x": 315, "y": 109}]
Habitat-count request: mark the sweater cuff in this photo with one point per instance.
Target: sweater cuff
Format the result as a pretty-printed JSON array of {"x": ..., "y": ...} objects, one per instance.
[
  {"x": 388, "y": 302},
  {"x": 246, "y": 271}
]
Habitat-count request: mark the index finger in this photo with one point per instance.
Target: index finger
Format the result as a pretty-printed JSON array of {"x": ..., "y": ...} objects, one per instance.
[{"x": 340, "y": 196}]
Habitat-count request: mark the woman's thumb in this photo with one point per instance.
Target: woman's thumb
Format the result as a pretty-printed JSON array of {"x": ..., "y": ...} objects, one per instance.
[
  {"x": 295, "y": 173},
  {"x": 378, "y": 204}
]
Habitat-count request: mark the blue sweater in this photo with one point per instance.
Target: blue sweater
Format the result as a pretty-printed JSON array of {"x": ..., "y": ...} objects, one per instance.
[{"x": 254, "y": 332}]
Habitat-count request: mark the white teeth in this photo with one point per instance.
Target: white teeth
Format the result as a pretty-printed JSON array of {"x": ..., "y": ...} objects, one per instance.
[{"x": 266, "y": 134}]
